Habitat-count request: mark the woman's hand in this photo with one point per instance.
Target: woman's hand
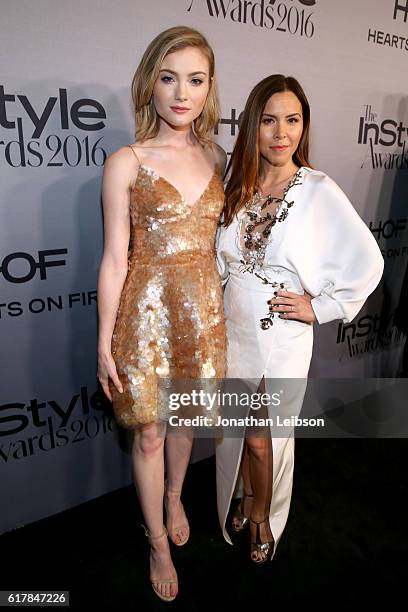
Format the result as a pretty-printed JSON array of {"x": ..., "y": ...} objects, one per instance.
[
  {"x": 293, "y": 306},
  {"x": 106, "y": 370}
]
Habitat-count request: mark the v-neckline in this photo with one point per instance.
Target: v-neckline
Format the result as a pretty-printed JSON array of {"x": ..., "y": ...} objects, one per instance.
[
  {"x": 158, "y": 176},
  {"x": 252, "y": 248}
]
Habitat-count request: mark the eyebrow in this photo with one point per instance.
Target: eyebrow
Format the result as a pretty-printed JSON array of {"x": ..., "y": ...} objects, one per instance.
[
  {"x": 191, "y": 73},
  {"x": 274, "y": 116}
]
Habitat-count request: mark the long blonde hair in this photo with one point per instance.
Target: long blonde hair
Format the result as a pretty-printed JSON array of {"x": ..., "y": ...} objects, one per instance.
[{"x": 146, "y": 117}]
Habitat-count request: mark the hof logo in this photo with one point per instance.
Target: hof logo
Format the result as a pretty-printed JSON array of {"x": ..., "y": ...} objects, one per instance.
[
  {"x": 6, "y": 266},
  {"x": 388, "y": 39},
  {"x": 389, "y": 132},
  {"x": 392, "y": 232},
  {"x": 20, "y": 267},
  {"x": 388, "y": 229},
  {"x": 59, "y": 148},
  {"x": 290, "y": 16}
]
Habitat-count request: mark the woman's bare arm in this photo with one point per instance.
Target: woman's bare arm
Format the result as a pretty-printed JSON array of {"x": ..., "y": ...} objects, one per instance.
[{"x": 118, "y": 172}]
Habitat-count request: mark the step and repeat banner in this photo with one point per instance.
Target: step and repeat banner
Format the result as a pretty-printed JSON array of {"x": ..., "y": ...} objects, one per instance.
[{"x": 65, "y": 105}]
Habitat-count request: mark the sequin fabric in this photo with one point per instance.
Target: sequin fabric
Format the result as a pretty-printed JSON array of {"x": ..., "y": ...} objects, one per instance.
[{"x": 170, "y": 320}]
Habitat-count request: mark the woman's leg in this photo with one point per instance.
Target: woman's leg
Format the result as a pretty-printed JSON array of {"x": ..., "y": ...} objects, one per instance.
[
  {"x": 243, "y": 510},
  {"x": 148, "y": 472},
  {"x": 178, "y": 452},
  {"x": 260, "y": 474},
  {"x": 260, "y": 470},
  {"x": 245, "y": 471}
]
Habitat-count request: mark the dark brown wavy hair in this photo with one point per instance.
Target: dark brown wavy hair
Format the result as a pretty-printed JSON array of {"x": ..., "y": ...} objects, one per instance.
[{"x": 245, "y": 159}]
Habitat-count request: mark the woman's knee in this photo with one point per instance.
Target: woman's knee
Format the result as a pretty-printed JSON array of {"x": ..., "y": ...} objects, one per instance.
[
  {"x": 148, "y": 439},
  {"x": 259, "y": 446}
]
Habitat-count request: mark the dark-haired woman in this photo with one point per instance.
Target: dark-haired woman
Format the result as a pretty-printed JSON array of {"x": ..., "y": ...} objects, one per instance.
[{"x": 292, "y": 250}]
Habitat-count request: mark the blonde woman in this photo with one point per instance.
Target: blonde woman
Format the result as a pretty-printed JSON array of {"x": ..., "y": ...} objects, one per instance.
[{"x": 160, "y": 313}]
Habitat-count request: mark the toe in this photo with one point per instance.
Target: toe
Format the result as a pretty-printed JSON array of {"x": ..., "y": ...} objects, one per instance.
[
  {"x": 173, "y": 589},
  {"x": 181, "y": 534},
  {"x": 184, "y": 533}
]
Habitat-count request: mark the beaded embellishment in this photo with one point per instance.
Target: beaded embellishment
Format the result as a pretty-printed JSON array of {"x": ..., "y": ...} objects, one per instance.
[{"x": 259, "y": 222}]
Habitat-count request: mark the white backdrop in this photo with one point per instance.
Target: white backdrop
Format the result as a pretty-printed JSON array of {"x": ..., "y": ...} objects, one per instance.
[{"x": 66, "y": 70}]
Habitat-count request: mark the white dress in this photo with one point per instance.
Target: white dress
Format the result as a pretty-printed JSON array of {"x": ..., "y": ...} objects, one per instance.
[{"x": 319, "y": 244}]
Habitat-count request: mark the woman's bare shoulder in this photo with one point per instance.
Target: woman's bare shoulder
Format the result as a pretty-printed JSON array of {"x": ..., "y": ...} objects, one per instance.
[
  {"x": 122, "y": 166},
  {"x": 125, "y": 154}
]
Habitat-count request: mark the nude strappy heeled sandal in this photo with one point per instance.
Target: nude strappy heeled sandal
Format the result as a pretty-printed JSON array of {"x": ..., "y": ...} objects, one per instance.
[
  {"x": 175, "y": 532},
  {"x": 163, "y": 580}
]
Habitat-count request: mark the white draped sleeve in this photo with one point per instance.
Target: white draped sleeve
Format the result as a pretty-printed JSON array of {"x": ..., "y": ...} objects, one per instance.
[
  {"x": 340, "y": 263},
  {"x": 221, "y": 259}
]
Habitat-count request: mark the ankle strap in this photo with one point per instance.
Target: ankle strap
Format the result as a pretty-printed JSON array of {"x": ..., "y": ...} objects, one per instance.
[
  {"x": 259, "y": 522},
  {"x": 168, "y": 490},
  {"x": 150, "y": 537}
]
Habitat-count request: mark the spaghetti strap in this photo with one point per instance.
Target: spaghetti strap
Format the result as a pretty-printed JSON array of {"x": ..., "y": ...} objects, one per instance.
[{"x": 134, "y": 153}]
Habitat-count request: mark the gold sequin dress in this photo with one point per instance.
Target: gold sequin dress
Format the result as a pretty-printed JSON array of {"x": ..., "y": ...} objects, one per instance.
[{"x": 170, "y": 320}]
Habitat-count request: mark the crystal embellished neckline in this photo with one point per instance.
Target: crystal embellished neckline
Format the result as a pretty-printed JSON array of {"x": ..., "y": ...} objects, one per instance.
[
  {"x": 290, "y": 184},
  {"x": 258, "y": 226},
  {"x": 257, "y": 223}
]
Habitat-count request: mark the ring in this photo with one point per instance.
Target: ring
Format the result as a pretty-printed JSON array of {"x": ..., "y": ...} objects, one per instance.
[{"x": 293, "y": 308}]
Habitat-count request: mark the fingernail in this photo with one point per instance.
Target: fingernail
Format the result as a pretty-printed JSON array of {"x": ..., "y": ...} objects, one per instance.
[{"x": 121, "y": 390}]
